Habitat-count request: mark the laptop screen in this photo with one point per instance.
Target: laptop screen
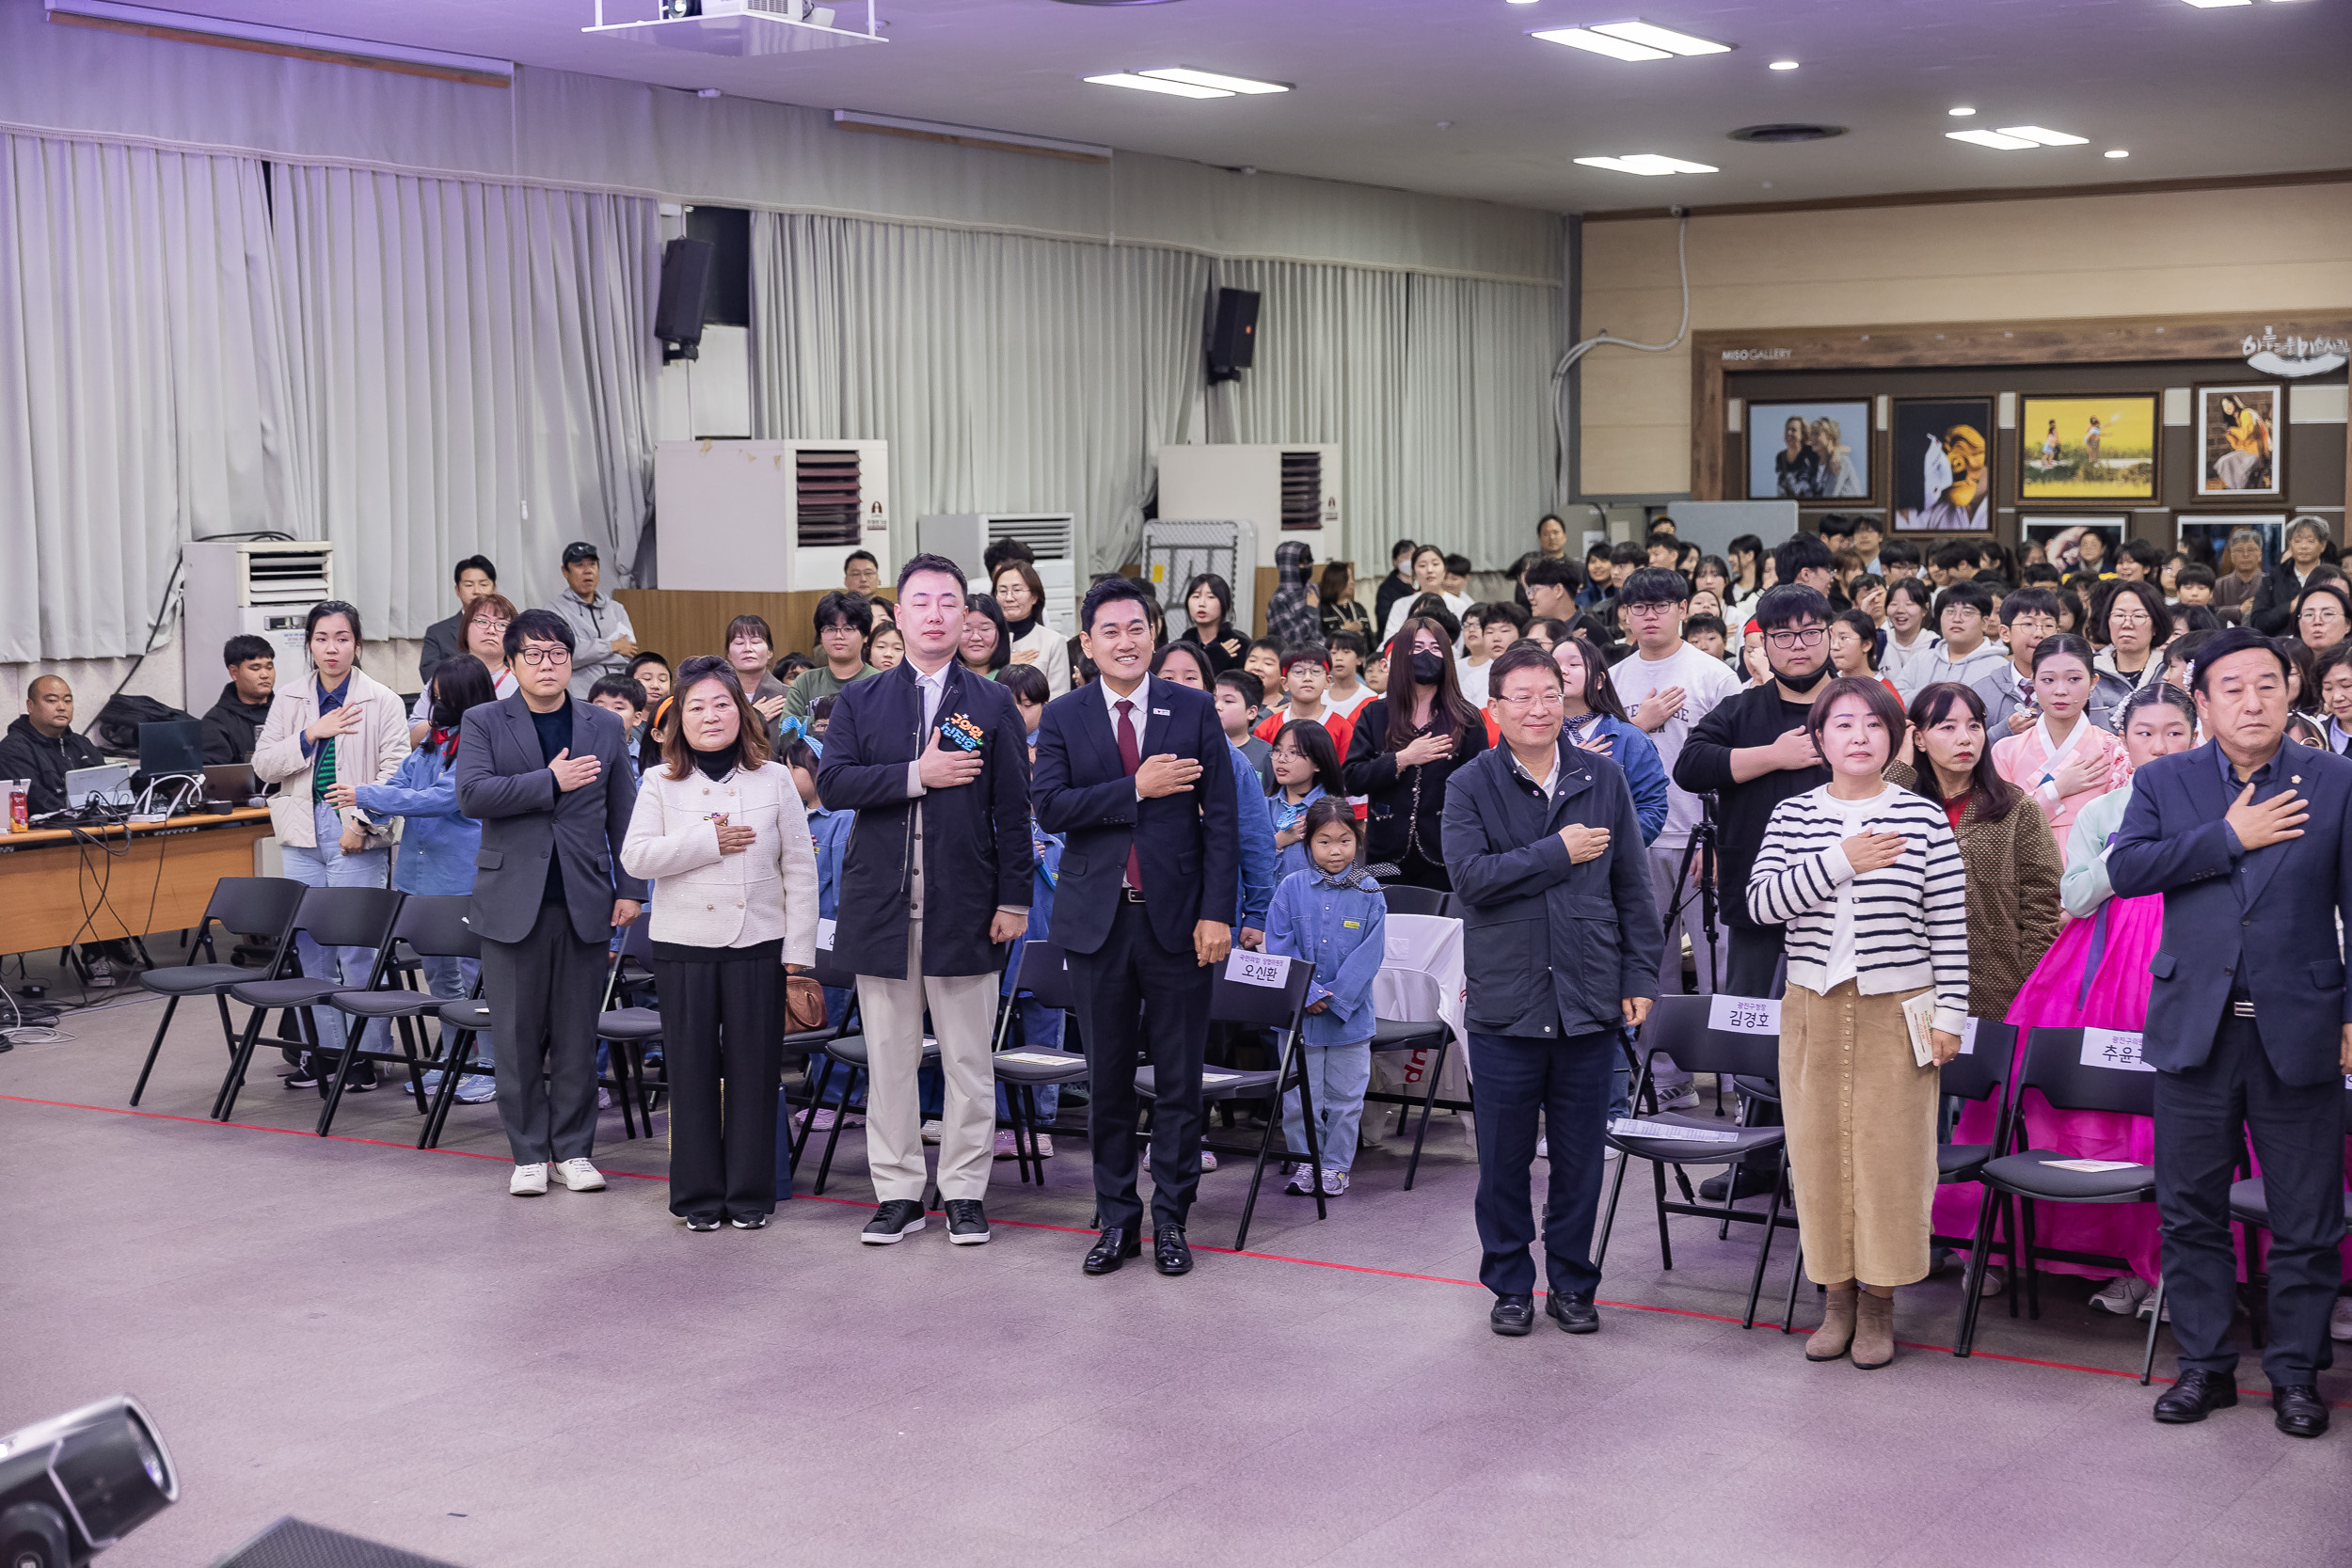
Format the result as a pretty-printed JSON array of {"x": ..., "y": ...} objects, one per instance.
[{"x": 173, "y": 747}]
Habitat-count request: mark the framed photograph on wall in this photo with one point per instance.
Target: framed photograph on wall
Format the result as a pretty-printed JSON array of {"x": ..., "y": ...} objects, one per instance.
[
  {"x": 1809, "y": 452},
  {"x": 2205, "y": 538},
  {"x": 2096, "y": 447},
  {"x": 2239, "y": 442},
  {"x": 1939, "y": 456},
  {"x": 2061, "y": 539}
]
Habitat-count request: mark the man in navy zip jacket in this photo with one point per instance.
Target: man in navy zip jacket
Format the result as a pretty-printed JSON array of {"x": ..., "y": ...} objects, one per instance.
[
  {"x": 1134, "y": 773},
  {"x": 2248, "y": 837}
]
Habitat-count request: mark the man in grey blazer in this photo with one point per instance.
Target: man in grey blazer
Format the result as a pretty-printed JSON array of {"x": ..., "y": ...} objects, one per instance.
[{"x": 549, "y": 780}]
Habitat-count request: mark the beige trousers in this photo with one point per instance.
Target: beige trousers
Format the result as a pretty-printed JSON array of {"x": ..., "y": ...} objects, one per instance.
[
  {"x": 1861, "y": 1115},
  {"x": 963, "y": 1010}
]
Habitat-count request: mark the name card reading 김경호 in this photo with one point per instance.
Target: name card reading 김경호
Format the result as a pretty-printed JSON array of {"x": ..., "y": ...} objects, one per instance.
[{"x": 1743, "y": 1015}]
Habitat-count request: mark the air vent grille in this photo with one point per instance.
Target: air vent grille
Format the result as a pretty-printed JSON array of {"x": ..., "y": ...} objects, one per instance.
[
  {"x": 1787, "y": 132},
  {"x": 298, "y": 575},
  {"x": 826, "y": 497},
  {"x": 1302, "y": 490}
]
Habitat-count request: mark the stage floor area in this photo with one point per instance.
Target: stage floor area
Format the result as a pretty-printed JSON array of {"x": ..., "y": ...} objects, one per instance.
[{"x": 381, "y": 1340}]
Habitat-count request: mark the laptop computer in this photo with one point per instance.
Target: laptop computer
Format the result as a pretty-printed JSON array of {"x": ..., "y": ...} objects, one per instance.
[
  {"x": 231, "y": 782},
  {"x": 105, "y": 785},
  {"x": 175, "y": 747}
]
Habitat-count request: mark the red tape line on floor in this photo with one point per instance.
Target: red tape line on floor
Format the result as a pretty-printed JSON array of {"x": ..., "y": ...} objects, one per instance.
[{"x": 1079, "y": 1230}]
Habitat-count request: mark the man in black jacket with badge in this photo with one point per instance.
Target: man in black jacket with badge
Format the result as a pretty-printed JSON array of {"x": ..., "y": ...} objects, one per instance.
[{"x": 935, "y": 882}]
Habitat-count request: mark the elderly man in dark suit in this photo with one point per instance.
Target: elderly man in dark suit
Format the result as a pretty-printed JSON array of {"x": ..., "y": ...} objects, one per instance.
[
  {"x": 934, "y": 760},
  {"x": 2248, "y": 837},
  {"x": 1136, "y": 774},
  {"x": 549, "y": 780}
]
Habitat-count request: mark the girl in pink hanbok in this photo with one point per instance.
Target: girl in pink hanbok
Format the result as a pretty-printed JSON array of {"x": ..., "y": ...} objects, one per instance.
[{"x": 2065, "y": 761}]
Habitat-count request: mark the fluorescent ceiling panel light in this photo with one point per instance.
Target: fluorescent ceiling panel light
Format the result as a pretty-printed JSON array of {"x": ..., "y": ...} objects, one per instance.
[
  {"x": 2217, "y": 4},
  {"x": 2044, "y": 137},
  {"x": 1784, "y": 64},
  {"x": 1649, "y": 164},
  {"x": 1211, "y": 79},
  {"x": 1599, "y": 43},
  {"x": 1660, "y": 37},
  {"x": 1994, "y": 140},
  {"x": 1962, "y": 113},
  {"x": 2118, "y": 152},
  {"x": 1153, "y": 84}
]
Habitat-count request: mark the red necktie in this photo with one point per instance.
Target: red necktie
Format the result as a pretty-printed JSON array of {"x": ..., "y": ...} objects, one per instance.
[{"x": 1130, "y": 758}]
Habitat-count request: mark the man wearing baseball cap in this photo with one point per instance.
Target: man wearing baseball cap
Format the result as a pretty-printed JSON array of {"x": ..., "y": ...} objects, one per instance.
[{"x": 604, "y": 640}]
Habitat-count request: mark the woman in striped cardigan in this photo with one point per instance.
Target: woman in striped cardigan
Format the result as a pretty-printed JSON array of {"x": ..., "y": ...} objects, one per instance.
[{"x": 1870, "y": 882}]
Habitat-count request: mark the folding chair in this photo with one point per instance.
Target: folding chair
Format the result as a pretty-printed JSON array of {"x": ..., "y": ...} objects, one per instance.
[
  {"x": 333, "y": 917},
  {"x": 1402, "y": 1037},
  {"x": 1405, "y": 898},
  {"x": 1045, "y": 975},
  {"x": 1259, "y": 1007},
  {"x": 1678, "y": 1027},
  {"x": 433, "y": 926},
  {"x": 461, "y": 1023},
  {"x": 2249, "y": 1205},
  {"x": 251, "y": 905},
  {"x": 848, "y": 1052},
  {"x": 630, "y": 1030},
  {"x": 2054, "y": 1065}
]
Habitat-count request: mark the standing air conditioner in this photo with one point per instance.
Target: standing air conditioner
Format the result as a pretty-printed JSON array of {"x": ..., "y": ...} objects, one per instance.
[
  {"x": 963, "y": 537},
  {"x": 1291, "y": 492},
  {"x": 237, "y": 587},
  {"x": 768, "y": 516},
  {"x": 1177, "y": 550}
]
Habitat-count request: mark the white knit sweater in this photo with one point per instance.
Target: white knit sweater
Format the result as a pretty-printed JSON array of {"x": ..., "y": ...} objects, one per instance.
[{"x": 1911, "y": 918}]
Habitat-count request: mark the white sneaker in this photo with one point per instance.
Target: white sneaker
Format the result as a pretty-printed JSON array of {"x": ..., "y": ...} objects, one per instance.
[
  {"x": 2149, "y": 1304},
  {"x": 581, "y": 1175},
  {"x": 1679, "y": 1097},
  {"x": 2121, "y": 1295},
  {"x": 1302, "y": 1182},
  {"x": 1005, "y": 1148},
  {"x": 528, "y": 1180},
  {"x": 1334, "y": 1183},
  {"x": 1044, "y": 1145},
  {"x": 2340, "y": 1321},
  {"x": 1208, "y": 1160},
  {"x": 933, "y": 1132}
]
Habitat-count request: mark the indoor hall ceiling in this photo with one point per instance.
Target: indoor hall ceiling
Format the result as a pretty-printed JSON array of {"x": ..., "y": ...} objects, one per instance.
[{"x": 2246, "y": 89}]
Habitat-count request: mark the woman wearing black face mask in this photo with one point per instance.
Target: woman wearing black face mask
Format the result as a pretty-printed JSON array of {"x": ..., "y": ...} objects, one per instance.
[{"x": 1404, "y": 747}]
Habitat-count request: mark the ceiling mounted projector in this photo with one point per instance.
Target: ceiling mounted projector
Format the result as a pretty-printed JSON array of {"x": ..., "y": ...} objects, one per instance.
[{"x": 76, "y": 1484}]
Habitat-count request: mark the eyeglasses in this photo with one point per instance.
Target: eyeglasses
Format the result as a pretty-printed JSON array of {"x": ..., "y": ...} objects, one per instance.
[
  {"x": 1654, "y": 608},
  {"x": 542, "y": 656},
  {"x": 1810, "y": 637},
  {"x": 1540, "y": 702},
  {"x": 1291, "y": 752},
  {"x": 492, "y": 622}
]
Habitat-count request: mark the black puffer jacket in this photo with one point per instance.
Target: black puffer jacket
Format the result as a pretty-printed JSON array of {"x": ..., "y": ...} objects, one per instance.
[
  {"x": 28, "y": 753},
  {"x": 232, "y": 726}
]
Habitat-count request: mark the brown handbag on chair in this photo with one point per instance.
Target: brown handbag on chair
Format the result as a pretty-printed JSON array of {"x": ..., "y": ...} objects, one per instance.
[{"x": 803, "y": 1004}]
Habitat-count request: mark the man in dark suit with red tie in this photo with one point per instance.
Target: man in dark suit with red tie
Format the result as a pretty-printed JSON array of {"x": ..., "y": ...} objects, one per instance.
[{"x": 1133, "y": 772}]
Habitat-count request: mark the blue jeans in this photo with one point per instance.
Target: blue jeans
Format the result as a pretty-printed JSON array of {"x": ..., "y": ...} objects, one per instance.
[
  {"x": 1337, "y": 1075},
  {"x": 1569, "y": 1082},
  {"x": 328, "y": 866}
]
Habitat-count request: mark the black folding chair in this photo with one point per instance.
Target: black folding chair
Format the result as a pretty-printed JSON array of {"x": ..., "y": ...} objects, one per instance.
[
  {"x": 253, "y": 906},
  {"x": 333, "y": 917},
  {"x": 631, "y": 1031},
  {"x": 1678, "y": 1027},
  {"x": 2249, "y": 1205},
  {"x": 1256, "y": 1007},
  {"x": 432, "y": 926},
  {"x": 2054, "y": 1065},
  {"x": 1400, "y": 1037},
  {"x": 1405, "y": 898},
  {"x": 461, "y": 1024},
  {"x": 846, "y": 1052},
  {"x": 1044, "y": 976}
]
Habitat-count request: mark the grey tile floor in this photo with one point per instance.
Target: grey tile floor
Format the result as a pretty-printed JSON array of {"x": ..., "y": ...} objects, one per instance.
[{"x": 381, "y": 1340}]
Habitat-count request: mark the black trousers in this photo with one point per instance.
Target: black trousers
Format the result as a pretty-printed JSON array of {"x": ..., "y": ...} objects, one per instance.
[
  {"x": 542, "y": 994},
  {"x": 1133, "y": 993},
  {"x": 1570, "y": 1082},
  {"x": 2299, "y": 1137},
  {"x": 723, "y": 1051}
]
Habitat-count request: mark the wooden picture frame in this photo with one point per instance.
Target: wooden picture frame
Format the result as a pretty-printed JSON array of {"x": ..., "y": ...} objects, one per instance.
[
  {"x": 2241, "y": 455},
  {"x": 1835, "y": 452},
  {"x": 1943, "y": 443},
  {"x": 2090, "y": 449}
]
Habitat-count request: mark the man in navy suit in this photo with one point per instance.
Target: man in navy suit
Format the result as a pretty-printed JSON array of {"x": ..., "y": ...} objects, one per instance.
[
  {"x": 2248, "y": 837},
  {"x": 1134, "y": 772}
]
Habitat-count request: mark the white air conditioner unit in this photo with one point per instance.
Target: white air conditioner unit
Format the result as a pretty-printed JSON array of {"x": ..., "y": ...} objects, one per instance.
[
  {"x": 1177, "y": 550},
  {"x": 1292, "y": 492},
  {"x": 963, "y": 537},
  {"x": 248, "y": 587},
  {"x": 768, "y": 516}
]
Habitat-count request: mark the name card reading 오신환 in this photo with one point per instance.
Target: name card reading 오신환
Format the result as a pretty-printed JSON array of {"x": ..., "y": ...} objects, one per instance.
[
  {"x": 2113, "y": 1048},
  {"x": 1743, "y": 1015},
  {"x": 1270, "y": 970}
]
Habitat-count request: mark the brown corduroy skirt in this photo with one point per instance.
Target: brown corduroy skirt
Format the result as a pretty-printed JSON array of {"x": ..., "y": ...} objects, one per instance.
[{"x": 1861, "y": 1117}]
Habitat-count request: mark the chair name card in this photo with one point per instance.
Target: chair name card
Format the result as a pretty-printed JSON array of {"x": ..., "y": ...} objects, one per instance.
[
  {"x": 2113, "y": 1048},
  {"x": 1215, "y": 1078},
  {"x": 1632, "y": 1126},
  {"x": 1038, "y": 1058},
  {"x": 824, "y": 936},
  {"x": 1270, "y": 970},
  {"x": 1743, "y": 1015},
  {"x": 1968, "y": 1038},
  {"x": 2091, "y": 1168}
]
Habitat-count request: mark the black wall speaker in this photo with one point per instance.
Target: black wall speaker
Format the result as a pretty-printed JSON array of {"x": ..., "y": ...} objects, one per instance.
[
  {"x": 1232, "y": 334},
  {"x": 677, "y": 316}
]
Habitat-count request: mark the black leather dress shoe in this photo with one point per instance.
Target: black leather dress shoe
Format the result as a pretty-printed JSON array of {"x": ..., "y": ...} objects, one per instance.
[
  {"x": 1113, "y": 1247},
  {"x": 2197, "y": 1392},
  {"x": 1512, "y": 1315},
  {"x": 2301, "y": 1411},
  {"x": 1574, "y": 1314},
  {"x": 1171, "y": 1252}
]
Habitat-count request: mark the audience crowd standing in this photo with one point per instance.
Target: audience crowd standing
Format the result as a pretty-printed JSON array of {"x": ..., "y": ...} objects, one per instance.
[{"x": 1899, "y": 791}]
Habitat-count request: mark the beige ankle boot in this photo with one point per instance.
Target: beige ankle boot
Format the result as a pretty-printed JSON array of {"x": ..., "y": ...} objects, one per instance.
[
  {"x": 1830, "y": 1340},
  {"x": 1874, "y": 1332}
]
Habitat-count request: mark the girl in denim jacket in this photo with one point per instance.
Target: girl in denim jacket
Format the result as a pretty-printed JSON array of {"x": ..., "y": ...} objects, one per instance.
[{"x": 1331, "y": 915}]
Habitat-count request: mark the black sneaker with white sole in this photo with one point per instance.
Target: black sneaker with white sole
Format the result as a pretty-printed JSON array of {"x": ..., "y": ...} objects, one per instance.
[
  {"x": 967, "y": 1224},
  {"x": 893, "y": 1221}
]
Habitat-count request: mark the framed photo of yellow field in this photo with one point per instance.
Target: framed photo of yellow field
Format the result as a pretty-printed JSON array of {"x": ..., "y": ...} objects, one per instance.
[{"x": 2096, "y": 447}]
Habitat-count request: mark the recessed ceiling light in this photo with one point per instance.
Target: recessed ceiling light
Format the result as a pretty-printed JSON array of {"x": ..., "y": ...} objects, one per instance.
[
  {"x": 1147, "y": 84},
  {"x": 2217, "y": 4},
  {"x": 1993, "y": 139},
  {"x": 1632, "y": 41},
  {"x": 1784, "y": 64},
  {"x": 1211, "y": 79},
  {"x": 2045, "y": 137},
  {"x": 1649, "y": 164},
  {"x": 1960, "y": 113},
  {"x": 1521, "y": 2},
  {"x": 2118, "y": 152}
]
